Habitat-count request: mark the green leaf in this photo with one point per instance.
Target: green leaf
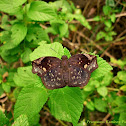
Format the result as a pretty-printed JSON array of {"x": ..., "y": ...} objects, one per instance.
[
  {"x": 1, "y": 90},
  {"x": 66, "y": 52},
  {"x": 106, "y": 10},
  {"x": 41, "y": 11},
  {"x": 34, "y": 120},
  {"x": 22, "y": 120},
  {"x": 100, "y": 35},
  {"x": 122, "y": 119},
  {"x": 110, "y": 3},
  {"x": 82, "y": 20},
  {"x": 60, "y": 27},
  {"x": 122, "y": 76},
  {"x": 90, "y": 105},
  {"x": 36, "y": 34},
  {"x": 103, "y": 91},
  {"x": 113, "y": 18},
  {"x": 100, "y": 104},
  {"x": 30, "y": 101},
  {"x": 123, "y": 88},
  {"x": 96, "y": 18},
  {"x": 107, "y": 79},
  {"x": 66, "y": 104},
  {"x": 10, "y": 6},
  {"x": 3, "y": 119},
  {"x": 25, "y": 56},
  {"x": 6, "y": 87},
  {"x": 25, "y": 77},
  {"x": 103, "y": 68},
  {"x": 120, "y": 100},
  {"x": 55, "y": 49},
  {"x": 19, "y": 32},
  {"x": 108, "y": 23}
]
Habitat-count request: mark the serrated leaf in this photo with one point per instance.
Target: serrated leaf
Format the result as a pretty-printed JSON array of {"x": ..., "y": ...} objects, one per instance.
[
  {"x": 22, "y": 120},
  {"x": 60, "y": 27},
  {"x": 107, "y": 79},
  {"x": 36, "y": 34},
  {"x": 10, "y": 6},
  {"x": 100, "y": 104},
  {"x": 25, "y": 77},
  {"x": 103, "y": 91},
  {"x": 103, "y": 68},
  {"x": 35, "y": 119},
  {"x": 66, "y": 104},
  {"x": 30, "y": 101},
  {"x": 19, "y": 32},
  {"x": 54, "y": 49},
  {"x": 3, "y": 119},
  {"x": 25, "y": 56},
  {"x": 41, "y": 11}
]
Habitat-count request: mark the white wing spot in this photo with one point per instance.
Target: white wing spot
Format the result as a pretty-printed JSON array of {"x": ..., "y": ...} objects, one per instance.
[
  {"x": 44, "y": 69},
  {"x": 85, "y": 66}
]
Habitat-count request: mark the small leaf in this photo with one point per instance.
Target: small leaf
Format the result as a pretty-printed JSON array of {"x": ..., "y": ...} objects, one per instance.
[
  {"x": 6, "y": 87},
  {"x": 3, "y": 119},
  {"x": 110, "y": 3},
  {"x": 25, "y": 56},
  {"x": 108, "y": 23},
  {"x": 103, "y": 68},
  {"x": 90, "y": 105},
  {"x": 102, "y": 91},
  {"x": 25, "y": 77},
  {"x": 19, "y": 32},
  {"x": 113, "y": 18},
  {"x": 11, "y": 6},
  {"x": 106, "y": 10},
  {"x": 122, "y": 76},
  {"x": 41, "y": 11},
  {"x": 30, "y": 101},
  {"x": 55, "y": 49},
  {"x": 100, "y": 105},
  {"x": 22, "y": 120},
  {"x": 100, "y": 35},
  {"x": 64, "y": 106},
  {"x": 96, "y": 18},
  {"x": 123, "y": 88}
]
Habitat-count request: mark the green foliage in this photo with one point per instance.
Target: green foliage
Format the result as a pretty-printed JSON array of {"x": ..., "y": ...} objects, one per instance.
[
  {"x": 71, "y": 107},
  {"x": 30, "y": 101},
  {"x": 3, "y": 119},
  {"x": 22, "y": 120},
  {"x": 25, "y": 27}
]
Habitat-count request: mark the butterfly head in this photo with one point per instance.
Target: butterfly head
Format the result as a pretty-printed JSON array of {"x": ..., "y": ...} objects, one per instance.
[{"x": 64, "y": 57}]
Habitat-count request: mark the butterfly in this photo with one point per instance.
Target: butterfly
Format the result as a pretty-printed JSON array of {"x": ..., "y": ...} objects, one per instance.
[{"x": 72, "y": 72}]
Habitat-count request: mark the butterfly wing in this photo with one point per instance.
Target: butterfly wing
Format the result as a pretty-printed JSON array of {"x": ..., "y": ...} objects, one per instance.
[
  {"x": 86, "y": 61},
  {"x": 79, "y": 76},
  {"x": 81, "y": 66},
  {"x": 48, "y": 68}
]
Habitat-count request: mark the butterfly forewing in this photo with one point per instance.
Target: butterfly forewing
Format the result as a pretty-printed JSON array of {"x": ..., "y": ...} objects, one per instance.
[
  {"x": 79, "y": 76},
  {"x": 88, "y": 62}
]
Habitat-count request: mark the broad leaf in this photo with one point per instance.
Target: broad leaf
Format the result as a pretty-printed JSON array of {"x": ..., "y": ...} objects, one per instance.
[
  {"x": 41, "y": 11},
  {"x": 3, "y": 119},
  {"x": 22, "y": 120},
  {"x": 30, "y": 101},
  {"x": 54, "y": 49},
  {"x": 10, "y": 6},
  {"x": 19, "y": 32},
  {"x": 103, "y": 91},
  {"x": 25, "y": 77},
  {"x": 66, "y": 104}
]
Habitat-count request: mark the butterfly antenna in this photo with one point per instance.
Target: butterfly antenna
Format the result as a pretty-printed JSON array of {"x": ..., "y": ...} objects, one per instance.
[{"x": 55, "y": 51}]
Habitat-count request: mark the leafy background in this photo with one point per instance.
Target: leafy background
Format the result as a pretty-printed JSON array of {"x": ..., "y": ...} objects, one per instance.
[{"x": 31, "y": 29}]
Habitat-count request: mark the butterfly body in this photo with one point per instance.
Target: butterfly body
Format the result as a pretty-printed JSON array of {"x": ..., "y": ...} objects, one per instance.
[{"x": 73, "y": 72}]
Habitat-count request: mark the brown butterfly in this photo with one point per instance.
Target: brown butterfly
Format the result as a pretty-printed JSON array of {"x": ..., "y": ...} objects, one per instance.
[{"x": 72, "y": 72}]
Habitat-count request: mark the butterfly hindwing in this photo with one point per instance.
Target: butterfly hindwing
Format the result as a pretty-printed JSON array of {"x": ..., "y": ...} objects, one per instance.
[
  {"x": 87, "y": 61},
  {"x": 53, "y": 78},
  {"x": 79, "y": 76}
]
